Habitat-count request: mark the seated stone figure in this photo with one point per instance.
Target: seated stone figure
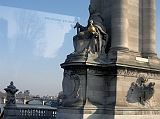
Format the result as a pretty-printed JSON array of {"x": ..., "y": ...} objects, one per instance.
[
  {"x": 92, "y": 38},
  {"x": 83, "y": 38}
]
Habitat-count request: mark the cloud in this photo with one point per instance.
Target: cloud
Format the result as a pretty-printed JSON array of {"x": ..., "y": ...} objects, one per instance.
[
  {"x": 56, "y": 28},
  {"x": 8, "y": 15},
  {"x": 46, "y": 31}
]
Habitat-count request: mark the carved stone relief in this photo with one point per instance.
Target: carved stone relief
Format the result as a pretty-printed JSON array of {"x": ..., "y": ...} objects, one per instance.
[
  {"x": 140, "y": 91},
  {"x": 129, "y": 72},
  {"x": 71, "y": 88},
  {"x": 138, "y": 73}
]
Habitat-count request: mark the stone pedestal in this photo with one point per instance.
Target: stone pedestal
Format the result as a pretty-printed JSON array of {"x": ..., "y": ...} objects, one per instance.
[
  {"x": 121, "y": 113},
  {"x": 94, "y": 90}
]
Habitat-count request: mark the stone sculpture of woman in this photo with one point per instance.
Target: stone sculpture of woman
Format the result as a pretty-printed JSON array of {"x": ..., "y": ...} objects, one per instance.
[{"x": 93, "y": 37}]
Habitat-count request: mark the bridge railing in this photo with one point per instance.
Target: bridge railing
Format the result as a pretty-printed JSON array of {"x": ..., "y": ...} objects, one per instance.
[
  {"x": 17, "y": 111},
  {"x": 30, "y": 112}
]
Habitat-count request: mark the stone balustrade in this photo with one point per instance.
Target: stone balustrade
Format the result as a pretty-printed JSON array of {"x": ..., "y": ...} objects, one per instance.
[{"x": 30, "y": 112}]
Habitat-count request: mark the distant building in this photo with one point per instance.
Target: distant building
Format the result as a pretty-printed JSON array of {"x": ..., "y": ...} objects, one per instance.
[{"x": 26, "y": 98}]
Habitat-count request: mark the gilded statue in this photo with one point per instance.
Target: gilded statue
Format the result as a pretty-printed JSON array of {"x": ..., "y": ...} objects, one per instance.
[{"x": 92, "y": 37}]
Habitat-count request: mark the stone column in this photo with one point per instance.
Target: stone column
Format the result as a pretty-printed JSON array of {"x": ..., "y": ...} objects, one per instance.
[
  {"x": 119, "y": 25},
  {"x": 149, "y": 28}
]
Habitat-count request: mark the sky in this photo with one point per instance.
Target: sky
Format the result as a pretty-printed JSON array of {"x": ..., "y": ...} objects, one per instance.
[{"x": 35, "y": 38}]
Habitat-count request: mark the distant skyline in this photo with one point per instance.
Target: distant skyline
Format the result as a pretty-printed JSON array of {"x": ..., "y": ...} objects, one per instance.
[{"x": 31, "y": 58}]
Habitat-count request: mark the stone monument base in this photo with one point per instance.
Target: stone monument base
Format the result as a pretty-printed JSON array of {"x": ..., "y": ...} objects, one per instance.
[
  {"x": 111, "y": 91},
  {"x": 116, "y": 89},
  {"x": 107, "y": 113}
]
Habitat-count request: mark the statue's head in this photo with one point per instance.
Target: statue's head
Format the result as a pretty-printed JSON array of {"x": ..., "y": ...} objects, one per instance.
[
  {"x": 11, "y": 83},
  {"x": 91, "y": 27},
  {"x": 91, "y": 21}
]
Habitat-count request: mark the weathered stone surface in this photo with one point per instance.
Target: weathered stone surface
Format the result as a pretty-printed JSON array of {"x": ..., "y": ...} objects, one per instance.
[
  {"x": 122, "y": 81},
  {"x": 109, "y": 113},
  {"x": 130, "y": 24},
  {"x": 111, "y": 87}
]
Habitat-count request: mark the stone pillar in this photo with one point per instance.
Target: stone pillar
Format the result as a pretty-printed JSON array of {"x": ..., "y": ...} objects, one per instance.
[
  {"x": 149, "y": 28},
  {"x": 10, "y": 111},
  {"x": 133, "y": 29},
  {"x": 119, "y": 25},
  {"x": 11, "y": 91}
]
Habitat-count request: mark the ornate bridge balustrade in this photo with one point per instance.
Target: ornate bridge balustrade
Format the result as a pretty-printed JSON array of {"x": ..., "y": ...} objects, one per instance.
[{"x": 29, "y": 112}]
